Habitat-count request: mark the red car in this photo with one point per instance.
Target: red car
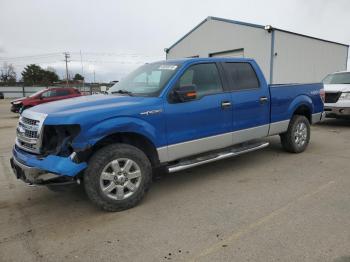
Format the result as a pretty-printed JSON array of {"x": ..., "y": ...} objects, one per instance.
[{"x": 43, "y": 96}]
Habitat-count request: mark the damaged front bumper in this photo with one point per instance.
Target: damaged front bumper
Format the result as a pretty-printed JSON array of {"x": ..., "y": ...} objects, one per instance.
[{"x": 46, "y": 170}]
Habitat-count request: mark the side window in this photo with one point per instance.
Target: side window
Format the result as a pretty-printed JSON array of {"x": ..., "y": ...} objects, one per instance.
[
  {"x": 45, "y": 94},
  {"x": 49, "y": 93},
  {"x": 204, "y": 76},
  {"x": 53, "y": 93},
  {"x": 186, "y": 79},
  {"x": 241, "y": 75},
  {"x": 62, "y": 92}
]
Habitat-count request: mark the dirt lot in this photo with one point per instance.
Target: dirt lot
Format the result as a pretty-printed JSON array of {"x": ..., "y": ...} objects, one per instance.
[{"x": 264, "y": 206}]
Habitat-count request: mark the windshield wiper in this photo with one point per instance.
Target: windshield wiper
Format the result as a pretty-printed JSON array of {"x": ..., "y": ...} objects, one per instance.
[{"x": 122, "y": 91}]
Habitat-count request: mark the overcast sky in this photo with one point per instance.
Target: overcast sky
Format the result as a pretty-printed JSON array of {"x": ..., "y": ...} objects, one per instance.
[{"x": 117, "y": 36}]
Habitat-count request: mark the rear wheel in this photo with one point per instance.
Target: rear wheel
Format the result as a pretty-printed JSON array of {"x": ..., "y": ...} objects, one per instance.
[
  {"x": 117, "y": 177},
  {"x": 297, "y": 137}
]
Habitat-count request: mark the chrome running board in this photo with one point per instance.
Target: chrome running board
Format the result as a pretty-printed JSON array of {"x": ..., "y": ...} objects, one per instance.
[{"x": 235, "y": 151}]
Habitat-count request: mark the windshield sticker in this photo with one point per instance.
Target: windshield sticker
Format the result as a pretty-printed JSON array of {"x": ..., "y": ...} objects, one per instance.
[{"x": 167, "y": 67}]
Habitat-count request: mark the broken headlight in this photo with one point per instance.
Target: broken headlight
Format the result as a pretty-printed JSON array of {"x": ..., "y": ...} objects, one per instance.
[{"x": 57, "y": 139}]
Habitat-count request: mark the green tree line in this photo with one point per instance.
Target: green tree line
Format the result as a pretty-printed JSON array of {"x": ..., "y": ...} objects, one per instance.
[{"x": 32, "y": 75}]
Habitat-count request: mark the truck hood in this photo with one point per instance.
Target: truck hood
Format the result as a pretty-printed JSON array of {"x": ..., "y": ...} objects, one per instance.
[
  {"x": 337, "y": 88},
  {"x": 93, "y": 108}
]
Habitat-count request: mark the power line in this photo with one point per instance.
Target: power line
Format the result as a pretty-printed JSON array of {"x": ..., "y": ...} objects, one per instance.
[
  {"x": 50, "y": 55},
  {"x": 39, "y": 56}
]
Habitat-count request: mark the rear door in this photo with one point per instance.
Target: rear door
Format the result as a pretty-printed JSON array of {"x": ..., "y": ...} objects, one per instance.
[
  {"x": 202, "y": 124},
  {"x": 250, "y": 101}
]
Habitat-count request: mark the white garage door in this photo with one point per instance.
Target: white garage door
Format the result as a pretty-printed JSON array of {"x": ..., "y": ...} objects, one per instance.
[{"x": 229, "y": 53}]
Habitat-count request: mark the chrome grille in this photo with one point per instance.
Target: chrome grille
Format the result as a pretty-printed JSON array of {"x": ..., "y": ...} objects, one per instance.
[
  {"x": 30, "y": 121},
  {"x": 28, "y": 146},
  {"x": 31, "y": 134},
  {"x": 29, "y": 131}
]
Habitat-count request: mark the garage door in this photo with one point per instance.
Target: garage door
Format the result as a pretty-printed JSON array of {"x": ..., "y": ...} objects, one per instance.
[{"x": 229, "y": 53}]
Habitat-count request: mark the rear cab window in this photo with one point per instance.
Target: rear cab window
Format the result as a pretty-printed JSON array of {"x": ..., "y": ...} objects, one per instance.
[{"x": 241, "y": 76}]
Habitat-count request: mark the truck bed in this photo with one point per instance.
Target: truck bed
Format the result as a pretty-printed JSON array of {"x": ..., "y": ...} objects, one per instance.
[{"x": 284, "y": 98}]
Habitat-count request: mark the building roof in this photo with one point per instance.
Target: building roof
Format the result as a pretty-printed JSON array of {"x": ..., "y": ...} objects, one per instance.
[{"x": 250, "y": 25}]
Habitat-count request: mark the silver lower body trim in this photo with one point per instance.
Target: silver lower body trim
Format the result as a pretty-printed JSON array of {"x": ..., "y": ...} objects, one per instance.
[
  {"x": 163, "y": 154},
  {"x": 317, "y": 117},
  {"x": 248, "y": 134},
  {"x": 198, "y": 146},
  {"x": 206, "y": 144},
  {"x": 278, "y": 127}
]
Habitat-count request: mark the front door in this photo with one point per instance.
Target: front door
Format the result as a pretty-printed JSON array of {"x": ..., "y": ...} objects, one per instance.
[
  {"x": 202, "y": 124},
  {"x": 48, "y": 96}
]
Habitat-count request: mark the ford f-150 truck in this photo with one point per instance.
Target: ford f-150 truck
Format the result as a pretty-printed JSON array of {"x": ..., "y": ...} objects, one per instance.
[
  {"x": 337, "y": 95},
  {"x": 173, "y": 114}
]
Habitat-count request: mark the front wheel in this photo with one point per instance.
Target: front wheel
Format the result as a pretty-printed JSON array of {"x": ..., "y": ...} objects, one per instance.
[
  {"x": 297, "y": 137},
  {"x": 117, "y": 177}
]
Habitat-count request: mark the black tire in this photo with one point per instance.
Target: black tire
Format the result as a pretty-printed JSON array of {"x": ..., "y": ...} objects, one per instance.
[
  {"x": 94, "y": 171},
  {"x": 288, "y": 139}
]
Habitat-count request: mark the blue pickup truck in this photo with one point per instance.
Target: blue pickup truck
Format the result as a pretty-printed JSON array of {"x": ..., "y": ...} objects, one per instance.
[{"x": 173, "y": 114}]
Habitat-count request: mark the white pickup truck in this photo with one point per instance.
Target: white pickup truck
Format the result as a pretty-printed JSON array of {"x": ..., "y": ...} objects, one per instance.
[{"x": 337, "y": 88}]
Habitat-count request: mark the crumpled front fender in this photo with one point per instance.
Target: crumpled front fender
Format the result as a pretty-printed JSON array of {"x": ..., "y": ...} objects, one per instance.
[{"x": 117, "y": 125}]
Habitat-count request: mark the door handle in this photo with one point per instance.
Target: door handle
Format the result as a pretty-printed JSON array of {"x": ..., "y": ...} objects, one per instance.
[
  {"x": 225, "y": 104},
  {"x": 263, "y": 99}
]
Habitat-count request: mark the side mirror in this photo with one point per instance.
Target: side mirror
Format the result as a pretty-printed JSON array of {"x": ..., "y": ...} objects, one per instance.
[{"x": 185, "y": 93}]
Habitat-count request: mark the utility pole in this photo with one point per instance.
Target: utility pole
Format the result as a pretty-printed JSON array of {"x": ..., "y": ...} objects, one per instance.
[
  {"x": 82, "y": 70},
  {"x": 66, "y": 56},
  {"x": 92, "y": 85}
]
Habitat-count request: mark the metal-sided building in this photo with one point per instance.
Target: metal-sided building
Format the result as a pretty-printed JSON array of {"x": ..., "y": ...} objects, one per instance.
[{"x": 285, "y": 57}]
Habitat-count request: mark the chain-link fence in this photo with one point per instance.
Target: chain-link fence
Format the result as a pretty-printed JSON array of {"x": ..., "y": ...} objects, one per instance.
[{"x": 22, "y": 91}]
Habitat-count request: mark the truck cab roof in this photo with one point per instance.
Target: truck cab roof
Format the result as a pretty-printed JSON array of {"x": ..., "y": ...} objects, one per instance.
[{"x": 208, "y": 59}]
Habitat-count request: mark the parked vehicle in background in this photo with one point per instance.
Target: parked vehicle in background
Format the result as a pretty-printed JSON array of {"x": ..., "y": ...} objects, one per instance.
[
  {"x": 2, "y": 95},
  {"x": 43, "y": 96},
  {"x": 174, "y": 114},
  {"x": 337, "y": 92}
]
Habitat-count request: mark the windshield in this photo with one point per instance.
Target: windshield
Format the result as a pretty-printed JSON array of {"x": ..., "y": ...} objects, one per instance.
[
  {"x": 147, "y": 80},
  {"x": 338, "y": 78}
]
